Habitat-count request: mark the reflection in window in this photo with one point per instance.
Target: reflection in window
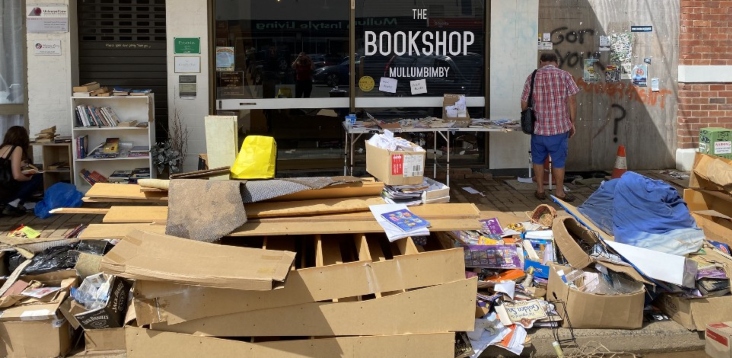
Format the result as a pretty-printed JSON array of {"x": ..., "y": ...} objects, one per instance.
[{"x": 277, "y": 49}]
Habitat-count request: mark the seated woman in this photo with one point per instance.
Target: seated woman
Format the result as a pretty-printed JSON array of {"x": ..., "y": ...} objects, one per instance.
[{"x": 17, "y": 184}]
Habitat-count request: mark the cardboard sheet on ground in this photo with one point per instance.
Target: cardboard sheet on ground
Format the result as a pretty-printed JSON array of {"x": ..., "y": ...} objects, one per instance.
[
  {"x": 654, "y": 264},
  {"x": 142, "y": 255}
]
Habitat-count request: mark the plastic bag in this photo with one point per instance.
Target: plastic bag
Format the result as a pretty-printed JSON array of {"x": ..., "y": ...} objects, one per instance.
[
  {"x": 53, "y": 259},
  {"x": 59, "y": 195},
  {"x": 256, "y": 159}
]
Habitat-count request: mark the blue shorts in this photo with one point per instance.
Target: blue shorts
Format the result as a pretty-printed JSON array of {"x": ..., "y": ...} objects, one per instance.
[{"x": 554, "y": 145}]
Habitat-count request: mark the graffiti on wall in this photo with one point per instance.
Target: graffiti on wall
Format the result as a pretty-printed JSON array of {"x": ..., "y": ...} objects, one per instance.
[{"x": 626, "y": 91}]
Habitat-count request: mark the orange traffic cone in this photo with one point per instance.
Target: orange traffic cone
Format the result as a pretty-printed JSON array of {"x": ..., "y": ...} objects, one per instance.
[{"x": 620, "y": 164}]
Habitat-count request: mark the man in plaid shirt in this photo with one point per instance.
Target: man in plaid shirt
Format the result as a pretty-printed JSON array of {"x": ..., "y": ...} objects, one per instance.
[{"x": 555, "y": 105}]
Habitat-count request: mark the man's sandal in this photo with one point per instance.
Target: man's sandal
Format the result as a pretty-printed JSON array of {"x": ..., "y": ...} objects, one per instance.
[{"x": 566, "y": 198}]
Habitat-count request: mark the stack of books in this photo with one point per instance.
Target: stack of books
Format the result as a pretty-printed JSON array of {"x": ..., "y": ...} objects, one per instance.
[
  {"x": 91, "y": 89},
  {"x": 92, "y": 177},
  {"x": 90, "y": 116},
  {"x": 139, "y": 151},
  {"x": 140, "y": 92},
  {"x": 120, "y": 176},
  {"x": 120, "y": 91},
  {"x": 110, "y": 149},
  {"x": 47, "y": 135},
  {"x": 139, "y": 173}
]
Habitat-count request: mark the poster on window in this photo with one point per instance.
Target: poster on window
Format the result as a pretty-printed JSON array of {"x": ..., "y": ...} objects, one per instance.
[
  {"x": 640, "y": 75},
  {"x": 44, "y": 18}
]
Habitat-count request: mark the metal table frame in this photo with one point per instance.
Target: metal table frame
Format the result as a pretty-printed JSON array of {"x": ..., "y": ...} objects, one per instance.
[{"x": 352, "y": 134}]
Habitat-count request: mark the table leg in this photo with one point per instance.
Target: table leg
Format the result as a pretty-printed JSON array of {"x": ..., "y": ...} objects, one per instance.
[{"x": 345, "y": 154}]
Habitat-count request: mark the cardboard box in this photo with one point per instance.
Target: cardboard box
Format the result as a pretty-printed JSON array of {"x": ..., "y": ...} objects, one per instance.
[
  {"x": 569, "y": 233},
  {"x": 441, "y": 194},
  {"x": 43, "y": 338},
  {"x": 442, "y": 308},
  {"x": 107, "y": 339},
  {"x": 112, "y": 315},
  {"x": 449, "y": 100},
  {"x": 395, "y": 167},
  {"x": 148, "y": 343},
  {"x": 716, "y": 141},
  {"x": 711, "y": 173},
  {"x": 589, "y": 310},
  {"x": 157, "y": 302},
  {"x": 143, "y": 255},
  {"x": 710, "y": 210},
  {"x": 717, "y": 339}
]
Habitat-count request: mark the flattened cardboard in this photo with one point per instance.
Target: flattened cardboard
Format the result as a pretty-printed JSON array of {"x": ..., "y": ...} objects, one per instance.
[
  {"x": 47, "y": 338},
  {"x": 108, "y": 339},
  {"x": 566, "y": 229},
  {"x": 157, "y": 302},
  {"x": 711, "y": 173},
  {"x": 442, "y": 308},
  {"x": 587, "y": 310},
  {"x": 39, "y": 312},
  {"x": 717, "y": 338},
  {"x": 148, "y": 343},
  {"x": 379, "y": 164},
  {"x": 155, "y": 257}
]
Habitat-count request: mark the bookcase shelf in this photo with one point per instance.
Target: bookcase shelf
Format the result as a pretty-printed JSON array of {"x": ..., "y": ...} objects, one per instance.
[
  {"x": 127, "y": 108},
  {"x": 54, "y": 153}
]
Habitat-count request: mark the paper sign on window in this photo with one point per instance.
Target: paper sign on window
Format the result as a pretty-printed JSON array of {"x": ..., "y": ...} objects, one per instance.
[
  {"x": 418, "y": 86},
  {"x": 388, "y": 85}
]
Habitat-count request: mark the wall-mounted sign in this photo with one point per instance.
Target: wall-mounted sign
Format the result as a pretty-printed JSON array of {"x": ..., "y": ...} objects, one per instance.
[
  {"x": 186, "y": 45},
  {"x": 47, "y": 18},
  {"x": 186, "y": 64},
  {"x": 47, "y": 48},
  {"x": 641, "y": 29},
  {"x": 187, "y": 86}
]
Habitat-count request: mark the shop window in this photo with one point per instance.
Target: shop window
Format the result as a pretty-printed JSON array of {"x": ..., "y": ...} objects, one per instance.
[{"x": 12, "y": 74}]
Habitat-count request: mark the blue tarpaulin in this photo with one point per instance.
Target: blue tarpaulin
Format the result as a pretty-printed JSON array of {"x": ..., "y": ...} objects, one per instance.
[{"x": 644, "y": 212}]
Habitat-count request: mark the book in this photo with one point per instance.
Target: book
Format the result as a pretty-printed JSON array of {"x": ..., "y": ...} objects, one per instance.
[
  {"x": 139, "y": 151},
  {"x": 405, "y": 220},
  {"x": 120, "y": 91},
  {"x": 111, "y": 146},
  {"x": 120, "y": 176},
  {"x": 87, "y": 87},
  {"x": 140, "y": 173},
  {"x": 140, "y": 92},
  {"x": 24, "y": 232},
  {"x": 493, "y": 256}
]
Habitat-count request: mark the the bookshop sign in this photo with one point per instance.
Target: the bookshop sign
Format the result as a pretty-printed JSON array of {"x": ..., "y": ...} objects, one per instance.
[
  {"x": 187, "y": 45},
  {"x": 47, "y": 18}
]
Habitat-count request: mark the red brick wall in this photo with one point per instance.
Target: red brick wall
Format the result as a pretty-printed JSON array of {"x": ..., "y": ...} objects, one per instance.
[{"x": 704, "y": 39}]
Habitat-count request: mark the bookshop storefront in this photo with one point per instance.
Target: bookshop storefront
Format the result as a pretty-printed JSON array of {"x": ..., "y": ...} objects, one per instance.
[{"x": 293, "y": 68}]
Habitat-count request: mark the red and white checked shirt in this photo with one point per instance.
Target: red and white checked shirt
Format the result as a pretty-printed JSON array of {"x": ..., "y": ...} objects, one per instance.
[{"x": 552, "y": 86}]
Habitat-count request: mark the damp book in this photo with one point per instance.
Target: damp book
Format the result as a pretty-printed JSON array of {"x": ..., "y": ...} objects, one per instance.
[{"x": 404, "y": 224}]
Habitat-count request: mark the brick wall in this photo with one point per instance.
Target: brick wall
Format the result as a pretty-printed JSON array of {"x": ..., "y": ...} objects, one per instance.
[{"x": 704, "y": 40}]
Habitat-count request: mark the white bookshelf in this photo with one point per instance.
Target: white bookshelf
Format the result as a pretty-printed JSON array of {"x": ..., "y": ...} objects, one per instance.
[{"x": 128, "y": 108}]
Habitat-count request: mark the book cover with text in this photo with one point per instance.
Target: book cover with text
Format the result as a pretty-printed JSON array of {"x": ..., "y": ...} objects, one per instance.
[{"x": 405, "y": 220}]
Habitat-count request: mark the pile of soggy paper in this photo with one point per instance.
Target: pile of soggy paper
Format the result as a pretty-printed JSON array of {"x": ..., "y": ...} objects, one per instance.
[{"x": 391, "y": 143}]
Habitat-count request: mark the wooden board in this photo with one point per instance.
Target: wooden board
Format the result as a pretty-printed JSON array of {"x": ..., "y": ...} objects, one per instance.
[
  {"x": 310, "y": 207},
  {"x": 368, "y": 187},
  {"x": 126, "y": 191},
  {"x": 329, "y": 210},
  {"x": 265, "y": 228},
  {"x": 118, "y": 231},
  {"x": 136, "y": 214},
  {"x": 221, "y": 142},
  {"x": 79, "y": 211},
  {"x": 145, "y": 343},
  {"x": 442, "y": 308}
]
